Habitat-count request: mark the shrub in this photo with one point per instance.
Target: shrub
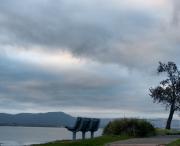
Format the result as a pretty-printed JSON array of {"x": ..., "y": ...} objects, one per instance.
[{"x": 130, "y": 127}]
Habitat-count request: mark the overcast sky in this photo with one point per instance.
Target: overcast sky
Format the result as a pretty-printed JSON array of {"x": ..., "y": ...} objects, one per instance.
[{"x": 86, "y": 57}]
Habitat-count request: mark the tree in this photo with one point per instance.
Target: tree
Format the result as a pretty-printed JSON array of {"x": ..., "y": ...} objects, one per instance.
[{"x": 168, "y": 92}]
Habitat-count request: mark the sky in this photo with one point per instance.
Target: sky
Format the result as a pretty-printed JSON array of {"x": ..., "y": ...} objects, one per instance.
[{"x": 93, "y": 58}]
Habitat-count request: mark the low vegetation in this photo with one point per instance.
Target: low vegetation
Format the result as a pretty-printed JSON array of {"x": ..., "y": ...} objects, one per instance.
[
  {"x": 167, "y": 132},
  {"x": 119, "y": 130},
  {"x": 99, "y": 141},
  {"x": 130, "y": 127},
  {"x": 175, "y": 143}
]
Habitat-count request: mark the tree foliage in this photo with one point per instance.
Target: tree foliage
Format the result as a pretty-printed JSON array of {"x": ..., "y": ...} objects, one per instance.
[{"x": 168, "y": 92}]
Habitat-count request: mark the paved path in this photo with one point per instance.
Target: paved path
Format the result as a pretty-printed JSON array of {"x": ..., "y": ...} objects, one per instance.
[{"x": 153, "y": 141}]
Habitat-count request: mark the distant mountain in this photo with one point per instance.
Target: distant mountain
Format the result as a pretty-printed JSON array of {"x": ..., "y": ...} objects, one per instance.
[
  {"x": 51, "y": 119},
  {"x": 60, "y": 119}
]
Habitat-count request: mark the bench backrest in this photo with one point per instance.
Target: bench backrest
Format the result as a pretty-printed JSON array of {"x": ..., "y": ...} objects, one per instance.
[
  {"x": 94, "y": 125},
  {"x": 78, "y": 122},
  {"x": 84, "y": 124}
]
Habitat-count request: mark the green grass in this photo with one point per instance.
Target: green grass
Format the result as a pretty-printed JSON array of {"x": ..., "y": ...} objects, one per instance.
[
  {"x": 175, "y": 143},
  {"x": 102, "y": 140},
  {"x": 99, "y": 141},
  {"x": 167, "y": 132}
]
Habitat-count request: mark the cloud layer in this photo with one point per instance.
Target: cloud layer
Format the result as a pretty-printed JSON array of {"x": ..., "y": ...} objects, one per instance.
[{"x": 85, "y": 55}]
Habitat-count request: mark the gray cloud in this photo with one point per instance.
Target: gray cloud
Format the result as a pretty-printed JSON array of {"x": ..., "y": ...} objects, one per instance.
[
  {"x": 176, "y": 12},
  {"x": 25, "y": 87},
  {"x": 121, "y": 44},
  {"x": 105, "y": 33}
]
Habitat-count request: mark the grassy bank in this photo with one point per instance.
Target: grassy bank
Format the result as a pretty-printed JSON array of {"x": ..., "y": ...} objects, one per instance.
[
  {"x": 167, "y": 132},
  {"x": 99, "y": 141},
  {"x": 102, "y": 140},
  {"x": 175, "y": 143}
]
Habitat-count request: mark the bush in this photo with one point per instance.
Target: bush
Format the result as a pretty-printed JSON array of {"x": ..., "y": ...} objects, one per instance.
[{"x": 130, "y": 127}]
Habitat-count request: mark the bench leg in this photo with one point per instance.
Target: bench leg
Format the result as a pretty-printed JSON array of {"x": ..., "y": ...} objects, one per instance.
[
  {"x": 92, "y": 134},
  {"x": 74, "y": 135},
  {"x": 83, "y": 135}
]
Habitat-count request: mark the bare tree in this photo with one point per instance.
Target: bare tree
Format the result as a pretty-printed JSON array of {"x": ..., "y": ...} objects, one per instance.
[{"x": 168, "y": 92}]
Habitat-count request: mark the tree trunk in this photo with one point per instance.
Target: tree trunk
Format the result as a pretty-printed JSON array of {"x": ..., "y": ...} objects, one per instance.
[{"x": 168, "y": 124}]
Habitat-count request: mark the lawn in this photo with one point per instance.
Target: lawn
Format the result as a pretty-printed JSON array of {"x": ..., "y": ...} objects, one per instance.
[
  {"x": 102, "y": 140},
  {"x": 167, "y": 132},
  {"x": 175, "y": 143},
  {"x": 99, "y": 141}
]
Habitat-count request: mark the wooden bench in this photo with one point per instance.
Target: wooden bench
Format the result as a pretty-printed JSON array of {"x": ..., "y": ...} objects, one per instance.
[
  {"x": 94, "y": 125},
  {"x": 84, "y": 125}
]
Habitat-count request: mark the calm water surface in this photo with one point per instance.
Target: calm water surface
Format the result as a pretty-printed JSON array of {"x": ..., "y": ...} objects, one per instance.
[{"x": 19, "y": 136}]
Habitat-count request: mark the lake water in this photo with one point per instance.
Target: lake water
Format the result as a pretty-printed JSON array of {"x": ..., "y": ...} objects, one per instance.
[{"x": 19, "y": 136}]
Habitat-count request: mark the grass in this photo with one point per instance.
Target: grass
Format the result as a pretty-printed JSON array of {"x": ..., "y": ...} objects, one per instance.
[
  {"x": 102, "y": 140},
  {"x": 167, "y": 132},
  {"x": 175, "y": 143},
  {"x": 99, "y": 141}
]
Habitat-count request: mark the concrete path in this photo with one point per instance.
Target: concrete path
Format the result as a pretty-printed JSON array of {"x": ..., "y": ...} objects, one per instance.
[{"x": 153, "y": 141}]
